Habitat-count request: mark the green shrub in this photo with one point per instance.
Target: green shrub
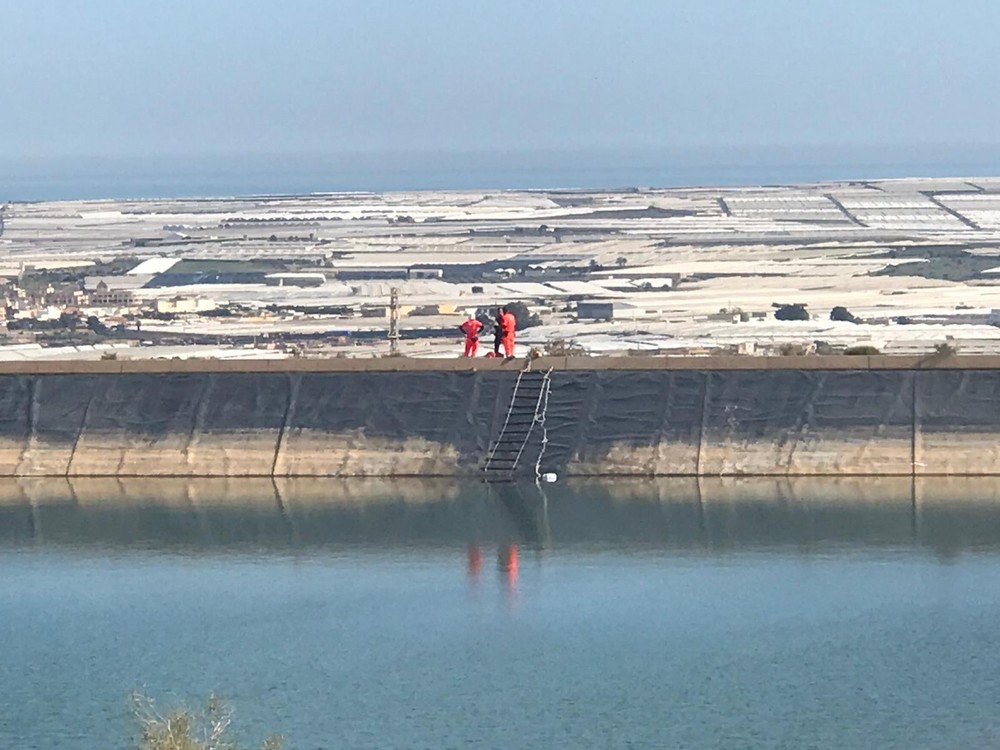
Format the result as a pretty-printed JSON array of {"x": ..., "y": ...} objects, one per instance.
[
  {"x": 791, "y": 312},
  {"x": 841, "y": 313}
]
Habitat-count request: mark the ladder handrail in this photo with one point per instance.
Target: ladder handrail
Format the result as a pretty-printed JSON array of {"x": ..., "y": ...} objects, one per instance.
[
  {"x": 534, "y": 420},
  {"x": 545, "y": 430},
  {"x": 541, "y": 406},
  {"x": 510, "y": 408}
]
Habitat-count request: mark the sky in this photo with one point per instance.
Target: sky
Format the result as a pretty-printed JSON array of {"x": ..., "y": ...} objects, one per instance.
[{"x": 131, "y": 77}]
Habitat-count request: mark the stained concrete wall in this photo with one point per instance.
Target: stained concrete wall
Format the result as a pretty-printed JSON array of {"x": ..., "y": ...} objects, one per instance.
[{"x": 377, "y": 419}]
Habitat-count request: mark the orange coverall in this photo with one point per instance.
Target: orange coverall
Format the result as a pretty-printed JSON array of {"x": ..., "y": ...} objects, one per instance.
[
  {"x": 471, "y": 329},
  {"x": 509, "y": 324}
]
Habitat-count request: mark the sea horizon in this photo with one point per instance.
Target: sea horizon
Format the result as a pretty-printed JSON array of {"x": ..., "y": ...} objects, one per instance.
[{"x": 123, "y": 177}]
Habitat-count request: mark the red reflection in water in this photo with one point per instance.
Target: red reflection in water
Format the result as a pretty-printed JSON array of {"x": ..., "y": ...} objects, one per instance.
[
  {"x": 474, "y": 561},
  {"x": 507, "y": 562}
]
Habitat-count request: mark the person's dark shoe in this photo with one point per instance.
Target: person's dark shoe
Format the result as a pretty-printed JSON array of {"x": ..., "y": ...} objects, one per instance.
[{"x": 508, "y": 359}]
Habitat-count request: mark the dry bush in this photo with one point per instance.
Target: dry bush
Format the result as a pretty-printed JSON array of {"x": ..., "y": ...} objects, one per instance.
[
  {"x": 564, "y": 348},
  {"x": 861, "y": 350},
  {"x": 790, "y": 349},
  {"x": 182, "y": 729}
]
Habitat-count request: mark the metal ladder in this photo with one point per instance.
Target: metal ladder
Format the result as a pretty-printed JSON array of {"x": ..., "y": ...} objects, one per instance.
[{"x": 528, "y": 404}]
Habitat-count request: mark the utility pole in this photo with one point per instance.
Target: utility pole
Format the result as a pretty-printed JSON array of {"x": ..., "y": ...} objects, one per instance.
[{"x": 394, "y": 322}]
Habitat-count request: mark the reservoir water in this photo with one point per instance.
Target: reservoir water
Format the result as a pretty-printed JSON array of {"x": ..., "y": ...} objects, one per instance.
[{"x": 674, "y": 614}]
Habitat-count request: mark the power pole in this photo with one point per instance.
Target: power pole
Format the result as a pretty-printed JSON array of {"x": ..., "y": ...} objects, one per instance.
[{"x": 394, "y": 322}]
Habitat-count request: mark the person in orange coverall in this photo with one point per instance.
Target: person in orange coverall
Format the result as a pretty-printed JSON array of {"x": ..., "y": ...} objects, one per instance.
[
  {"x": 508, "y": 323},
  {"x": 471, "y": 329}
]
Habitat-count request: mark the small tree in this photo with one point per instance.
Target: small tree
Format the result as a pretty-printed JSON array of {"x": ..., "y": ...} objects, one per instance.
[
  {"x": 795, "y": 311},
  {"x": 621, "y": 261},
  {"x": 69, "y": 320},
  {"x": 841, "y": 313},
  {"x": 525, "y": 318}
]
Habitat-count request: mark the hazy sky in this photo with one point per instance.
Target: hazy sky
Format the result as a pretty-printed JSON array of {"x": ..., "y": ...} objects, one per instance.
[{"x": 102, "y": 77}]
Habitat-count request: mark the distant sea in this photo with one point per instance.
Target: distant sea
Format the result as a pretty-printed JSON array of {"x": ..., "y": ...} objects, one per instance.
[{"x": 119, "y": 177}]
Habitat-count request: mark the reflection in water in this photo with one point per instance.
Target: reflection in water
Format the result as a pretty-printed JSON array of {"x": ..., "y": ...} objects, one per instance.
[
  {"x": 475, "y": 561},
  {"x": 507, "y": 564},
  {"x": 679, "y": 613},
  {"x": 946, "y": 515}
]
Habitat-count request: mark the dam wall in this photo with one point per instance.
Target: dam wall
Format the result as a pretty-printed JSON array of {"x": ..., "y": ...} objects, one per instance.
[{"x": 785, "y": 416}]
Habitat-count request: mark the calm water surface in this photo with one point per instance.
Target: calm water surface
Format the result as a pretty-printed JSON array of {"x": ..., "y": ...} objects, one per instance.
[
  {"x": 654, "y": 619},
  {"x": 59, "y": 178}
]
